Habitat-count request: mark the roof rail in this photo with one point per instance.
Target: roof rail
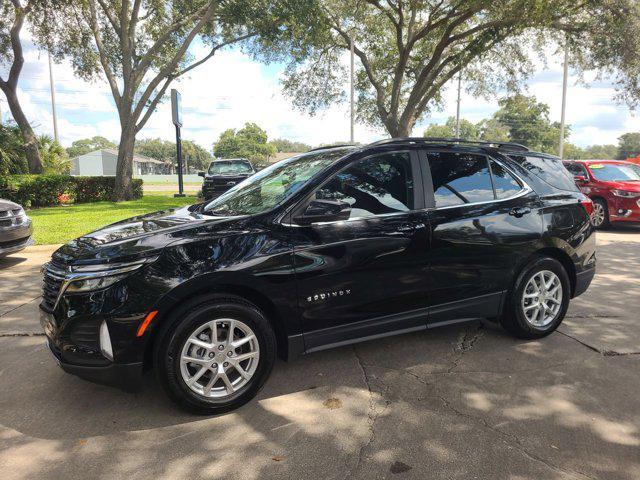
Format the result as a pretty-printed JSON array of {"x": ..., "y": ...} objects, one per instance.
[
  {"x": 332, "y": 146},
  {"x": 503, "y": 145}
]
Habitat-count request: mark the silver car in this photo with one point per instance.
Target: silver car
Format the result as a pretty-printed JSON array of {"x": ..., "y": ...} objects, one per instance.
[{"x": 15, "y": 228}]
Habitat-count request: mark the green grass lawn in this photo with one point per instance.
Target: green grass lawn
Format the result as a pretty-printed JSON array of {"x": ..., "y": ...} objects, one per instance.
[{"x": 61, "y": 224}]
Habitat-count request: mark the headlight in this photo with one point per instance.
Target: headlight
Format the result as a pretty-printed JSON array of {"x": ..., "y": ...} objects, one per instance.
[
  {"x": 88, "y": 278},
  {"x": 625, "y": 193},
  {"x": 89, "y": 284}
]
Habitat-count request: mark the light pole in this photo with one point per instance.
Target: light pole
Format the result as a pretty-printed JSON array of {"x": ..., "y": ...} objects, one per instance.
[
  {"x": 353, "y": 112},
  {"x": 564, "y": 99},
  {"x": 458, "y": 106},
  {"x": 53, "y": 101}
]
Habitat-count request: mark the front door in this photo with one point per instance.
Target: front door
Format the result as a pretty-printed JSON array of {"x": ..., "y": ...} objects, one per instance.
[
  {"x": 366, "y": 275},
  {"x": 482, "y": 224}
]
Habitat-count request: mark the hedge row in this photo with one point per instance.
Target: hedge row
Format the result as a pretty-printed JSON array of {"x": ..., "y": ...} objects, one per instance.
[{"x": 33, "y": 191}]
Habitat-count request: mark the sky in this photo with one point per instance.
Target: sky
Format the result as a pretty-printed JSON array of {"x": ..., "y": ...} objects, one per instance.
[{"x": 232, "y": 89}]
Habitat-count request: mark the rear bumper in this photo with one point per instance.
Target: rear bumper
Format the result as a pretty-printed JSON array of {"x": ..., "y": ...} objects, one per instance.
[
  {"x": 583, "y": 280},
  {"x": 126, "y": 377}
]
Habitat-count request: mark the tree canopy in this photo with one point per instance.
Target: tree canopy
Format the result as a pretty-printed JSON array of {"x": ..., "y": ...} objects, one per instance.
[
  {"x": 196, "y": 156},
  {"x": 141, "y": 46},
  {"x": 284, "y": 145},
  {"x": 408, "y": 51},
  {"x": 628, "y": 145},
  {"x": 249, "y": 142},
  {"x": 521, "y": 119},
  {"x": 86, "y": 145}
]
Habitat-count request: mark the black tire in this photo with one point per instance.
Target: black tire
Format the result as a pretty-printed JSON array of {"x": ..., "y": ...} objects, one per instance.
[
  {"x": 605, "y": 222},
  {"x": 513, "y": 318},
  {"x": 168, "y": 347}
]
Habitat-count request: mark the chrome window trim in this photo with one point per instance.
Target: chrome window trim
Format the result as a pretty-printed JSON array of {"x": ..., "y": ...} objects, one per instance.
[{"x": 526, "y": 189}]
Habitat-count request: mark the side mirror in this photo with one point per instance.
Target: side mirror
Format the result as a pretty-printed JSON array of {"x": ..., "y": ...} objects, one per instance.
[
  {"x": 580, "y": 179},
  {"x": 201, "y": 174},
  {"x": 324, "y": 211}
]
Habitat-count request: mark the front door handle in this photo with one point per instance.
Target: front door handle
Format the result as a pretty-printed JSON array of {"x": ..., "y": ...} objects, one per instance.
[{"x": 519, "y": 211}]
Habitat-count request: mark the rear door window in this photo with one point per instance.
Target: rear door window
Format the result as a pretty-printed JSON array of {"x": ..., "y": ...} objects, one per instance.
[
  {"x": 460, "y": 178},
  {"x": 504, "y": 183}
]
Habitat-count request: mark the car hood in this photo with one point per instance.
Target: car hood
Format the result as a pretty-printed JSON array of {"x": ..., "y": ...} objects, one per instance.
[
  {"x": 8, "y": 205},
  {"x": 628, "y": 186},
  {"x": 140, "y": 236}
]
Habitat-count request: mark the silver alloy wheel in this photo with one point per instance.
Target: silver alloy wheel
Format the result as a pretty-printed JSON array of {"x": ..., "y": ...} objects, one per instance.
[
  {"x": 598, "y": 215},
  {"x": 219, "y": 357},
  {"x": 542, "y": 298}
]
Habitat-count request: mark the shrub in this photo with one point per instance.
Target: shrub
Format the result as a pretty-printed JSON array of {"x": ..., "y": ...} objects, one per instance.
[{"x": 46, "y": 190}]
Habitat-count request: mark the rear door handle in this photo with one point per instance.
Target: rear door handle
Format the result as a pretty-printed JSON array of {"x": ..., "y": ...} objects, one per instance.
[{"x": 519, "y": 211}]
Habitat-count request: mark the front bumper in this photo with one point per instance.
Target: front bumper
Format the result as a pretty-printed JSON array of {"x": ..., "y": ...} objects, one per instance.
[
  {"x": 15, "y": 238},
  {"x": 126, "y": 376},
  {"x": 624, "y": 210}
]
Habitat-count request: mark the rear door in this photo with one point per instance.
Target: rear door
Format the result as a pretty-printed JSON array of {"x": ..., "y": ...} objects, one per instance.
[
  {"x": 367, "y": 275},
  {"x": 483, "y": 221}
]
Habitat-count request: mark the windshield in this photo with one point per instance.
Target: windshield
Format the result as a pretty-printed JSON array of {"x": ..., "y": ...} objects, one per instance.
[
  {"x": 230, "y": 167},
  {"x": 273, "y": 185},
  {"x": 611, "y": 172}
]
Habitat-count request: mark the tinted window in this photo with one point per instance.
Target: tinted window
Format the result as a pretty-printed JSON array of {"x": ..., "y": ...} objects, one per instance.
[
  {"x": 460, "y": 178},
  {"x": 274, "y": 184},
  {"x": 504, "y": 183},
  {"x": 576, "y": 169},
  {"x": 548, "y": 169},
  {"x": 230, "y": 167},
  {"x": 374, "y": 186}
]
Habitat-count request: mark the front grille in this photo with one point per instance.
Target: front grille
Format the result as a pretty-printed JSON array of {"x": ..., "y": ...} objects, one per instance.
[
  {"x": 4, "y": 213},
  {"x": 5, "y": 223},
  {"x": 52, "y": 283}
]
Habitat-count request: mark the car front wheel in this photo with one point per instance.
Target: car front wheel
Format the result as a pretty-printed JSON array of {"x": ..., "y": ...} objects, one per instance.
[{"x": 216, "y": 356}]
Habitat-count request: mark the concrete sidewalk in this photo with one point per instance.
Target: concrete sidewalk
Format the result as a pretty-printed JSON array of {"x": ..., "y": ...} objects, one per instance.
[{"x": 461, "y": 402}]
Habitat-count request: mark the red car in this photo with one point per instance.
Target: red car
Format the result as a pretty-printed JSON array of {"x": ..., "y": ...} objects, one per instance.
[{"x": 614, "y": 187}]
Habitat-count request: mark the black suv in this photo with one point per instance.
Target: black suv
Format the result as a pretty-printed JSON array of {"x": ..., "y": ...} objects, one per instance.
[
  {"x": 330, "y": 247},
  {"x": 224, "y": 174}
]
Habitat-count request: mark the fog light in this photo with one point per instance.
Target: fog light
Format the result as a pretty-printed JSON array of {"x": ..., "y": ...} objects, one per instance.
[{"x": 105, "y": 341}]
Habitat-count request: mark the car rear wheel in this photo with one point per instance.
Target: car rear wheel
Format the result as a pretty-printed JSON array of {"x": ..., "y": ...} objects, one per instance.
[
  {"x": 539, "y": 299},
  {"x": 216, "y": 355},
  {"x": 600, "y": 215}
]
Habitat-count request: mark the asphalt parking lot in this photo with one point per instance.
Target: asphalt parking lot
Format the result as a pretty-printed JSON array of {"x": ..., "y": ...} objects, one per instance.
[{"x": 465, "y": 402}]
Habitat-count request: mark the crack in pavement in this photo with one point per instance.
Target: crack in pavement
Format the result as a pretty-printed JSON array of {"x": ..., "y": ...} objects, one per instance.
[
  {"x": 465, "y": 342},
  {"x": 372, "y": 415},
  {"x": 603, "y": 352},
  {"x": 19, "y": 306},
  {"x": 21, "y": 334}
]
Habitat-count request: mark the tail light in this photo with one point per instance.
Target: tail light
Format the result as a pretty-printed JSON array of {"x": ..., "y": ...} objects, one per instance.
[{"x": 588, "y": 205}]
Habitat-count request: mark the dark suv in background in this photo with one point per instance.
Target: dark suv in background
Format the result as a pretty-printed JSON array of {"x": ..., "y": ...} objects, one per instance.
[
  {"x": 334, "y": 246},
  {"x": 224, "y": 174}
]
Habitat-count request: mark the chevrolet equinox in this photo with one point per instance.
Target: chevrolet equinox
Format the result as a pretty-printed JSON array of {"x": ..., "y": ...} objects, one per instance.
[{"x": 327, "y": 248}]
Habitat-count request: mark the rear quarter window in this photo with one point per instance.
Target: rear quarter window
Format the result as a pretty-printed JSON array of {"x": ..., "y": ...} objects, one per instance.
[{"x": 548, "y": 169}]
